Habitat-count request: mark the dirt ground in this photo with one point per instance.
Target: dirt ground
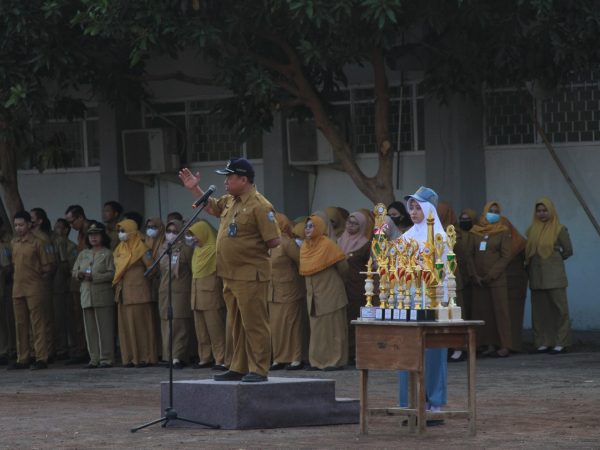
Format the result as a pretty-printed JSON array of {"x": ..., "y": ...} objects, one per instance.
[{"x": 525, "y": 401}]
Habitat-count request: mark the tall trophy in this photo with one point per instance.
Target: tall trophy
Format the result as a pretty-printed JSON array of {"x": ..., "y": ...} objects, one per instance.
[{"x": 455, "y": 311}]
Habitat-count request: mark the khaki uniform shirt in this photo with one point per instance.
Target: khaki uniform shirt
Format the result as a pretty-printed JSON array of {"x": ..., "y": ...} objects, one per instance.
[
  {"x": 99, "y": 291},
  {"x": 247, "y": 223},
  {"x": 66, "y": 254},
  {"x": 489, "y": 257},
  {"x": 31, "y": 260},
  {"x": 287, "y": 284},
  {"x": 5, "y": 262},
  {"x": 550, "y": 273}
]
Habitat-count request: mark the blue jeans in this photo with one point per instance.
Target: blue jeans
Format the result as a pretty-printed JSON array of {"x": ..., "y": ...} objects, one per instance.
[{"x": 436, "y": 374}]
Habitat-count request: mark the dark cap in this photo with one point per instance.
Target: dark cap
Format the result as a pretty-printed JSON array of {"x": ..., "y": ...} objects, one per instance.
[
  {"x": 424, "y": 194},
  {"x": 239, "y": 166},
  {"x": 96, "y": 228}
]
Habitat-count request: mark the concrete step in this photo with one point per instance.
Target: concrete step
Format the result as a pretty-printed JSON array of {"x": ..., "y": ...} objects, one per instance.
[{"x": 277, "y": 403}]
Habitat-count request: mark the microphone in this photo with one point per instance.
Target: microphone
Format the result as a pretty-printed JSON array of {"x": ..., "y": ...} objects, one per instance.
[{"x": 205, "y": 196}]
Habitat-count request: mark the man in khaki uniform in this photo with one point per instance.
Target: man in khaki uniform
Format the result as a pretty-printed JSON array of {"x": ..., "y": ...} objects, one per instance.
[
  {"x": 111, "y": 213},
  {"x": 77, "y": 345},
  {"x": 7, "y": 317},
  {"x": 32, "y": 266},
  {"x": 247, "y": 231}
]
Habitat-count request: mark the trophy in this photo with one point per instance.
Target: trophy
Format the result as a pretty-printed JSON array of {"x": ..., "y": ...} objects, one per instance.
[
  {"x": 367, "y": 312},
  {"x": 442, "y": 312},
  {"x": 454, "y": 310}
]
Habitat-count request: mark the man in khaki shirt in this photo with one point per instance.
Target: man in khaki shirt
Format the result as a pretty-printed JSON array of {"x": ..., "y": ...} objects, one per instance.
[
  {"x": 247, "y": 231},
  {"x": 75, "y": 327},
  {"x": 7, "y": 317},
  {"x": 32, "y": 264}
]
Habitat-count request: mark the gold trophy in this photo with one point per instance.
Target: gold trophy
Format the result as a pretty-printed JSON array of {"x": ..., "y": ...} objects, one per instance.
[
  {"x": 455, "y": 311},
  {"x": 442, "y": 312},
  {"x": 367, "y": 312}
]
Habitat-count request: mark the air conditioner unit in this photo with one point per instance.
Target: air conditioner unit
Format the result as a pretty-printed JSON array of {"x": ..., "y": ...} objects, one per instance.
[
  {"x": 306, "y": 144},
  {"x": 150, "y": 151}
]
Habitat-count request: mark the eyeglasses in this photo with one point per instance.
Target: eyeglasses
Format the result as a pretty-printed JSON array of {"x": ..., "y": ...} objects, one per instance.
[
  {"x": 309, "y": 225},
  {"x": 352, "y": 222}
]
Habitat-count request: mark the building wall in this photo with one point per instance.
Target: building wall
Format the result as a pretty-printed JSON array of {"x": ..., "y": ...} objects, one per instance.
[
  {"x": 517, "y": 176},
  {"x": 55, "y": 190}
]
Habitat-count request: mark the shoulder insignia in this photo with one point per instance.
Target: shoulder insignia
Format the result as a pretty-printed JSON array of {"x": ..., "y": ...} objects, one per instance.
[{"x": 271, "y": 216}]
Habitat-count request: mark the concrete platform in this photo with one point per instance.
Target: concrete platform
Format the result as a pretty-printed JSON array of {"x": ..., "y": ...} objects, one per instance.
[{"x": 277, "y": 403}]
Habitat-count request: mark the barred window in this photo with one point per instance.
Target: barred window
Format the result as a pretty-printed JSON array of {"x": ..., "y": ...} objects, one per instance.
[
  {"x": 571, "y": 114},
  {"x": 60, "y": 143},
  {"x": 201, "y": 135}
]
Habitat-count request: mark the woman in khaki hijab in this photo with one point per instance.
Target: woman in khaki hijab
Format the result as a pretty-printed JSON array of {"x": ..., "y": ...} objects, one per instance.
[
  {"x": 287, "y": 305},
  {"x": 489, "y": 256},
  {"x": 323, "y": 264},
  {"x": 136, "y": 311},
  {"x": 548, "y": 246},
  {"x": 181, "y": 283}
]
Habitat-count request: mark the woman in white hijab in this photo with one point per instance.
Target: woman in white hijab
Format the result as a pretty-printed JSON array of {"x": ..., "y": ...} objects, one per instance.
[{"x": 419, "y": 206}]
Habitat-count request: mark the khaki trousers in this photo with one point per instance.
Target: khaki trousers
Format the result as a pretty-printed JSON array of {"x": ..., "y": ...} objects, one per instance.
[
  {"x": 99, "y": 325},
  {"x": 249, "y": 320},
  {"x": 30, "y": 311},
  {"x": 137, "y": 333},
  {"x": 76, "y": 328},
  {"x": 491, "y": 305},
  {"x": 183, "y": 331},
  {"x": 550, "y": 317},
  {"x": 287, "y": 322},
  {"x": 60, "y": 302},
  {"x": 7, "y": 326},
  {"x": 210, "y": 332}
]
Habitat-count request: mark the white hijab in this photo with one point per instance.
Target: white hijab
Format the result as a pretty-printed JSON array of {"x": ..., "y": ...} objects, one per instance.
[{"x": 419, "y": 230}]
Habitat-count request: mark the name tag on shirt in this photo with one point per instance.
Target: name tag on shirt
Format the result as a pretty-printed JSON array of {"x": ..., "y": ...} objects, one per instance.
[
  {"x": 174, "y": 259},
  {"x": 482, "y": 246}
]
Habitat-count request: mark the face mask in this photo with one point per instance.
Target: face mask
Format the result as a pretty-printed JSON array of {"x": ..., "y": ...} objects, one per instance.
[
  {"x": 170, "y": 237},
  {"x": 397, "y": 220},
  {"x": 151, "y": 232},
  {"x": 189, "y": 241},
  {"x": 492, "y": 217},
  {"x": 123, "y": 236},
  {"x": 465, "y": 225}
]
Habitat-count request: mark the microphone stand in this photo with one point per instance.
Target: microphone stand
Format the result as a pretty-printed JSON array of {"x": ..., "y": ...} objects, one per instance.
[{"x": 170, "y": 411}]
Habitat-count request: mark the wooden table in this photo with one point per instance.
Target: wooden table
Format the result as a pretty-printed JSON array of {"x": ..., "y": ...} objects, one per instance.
[{"x": 390, "y": 345}]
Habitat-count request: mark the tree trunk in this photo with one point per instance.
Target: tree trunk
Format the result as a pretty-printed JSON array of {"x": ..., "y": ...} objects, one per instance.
[{"x": 8, "y": 175}]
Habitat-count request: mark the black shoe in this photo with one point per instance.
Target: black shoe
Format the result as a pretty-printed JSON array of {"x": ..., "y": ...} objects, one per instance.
[
  {"x": 312, "y": 368},
  {"x": 178, "y": 365},
  {"x": 17, "y": 366},
  {"x": 90, "y": 366},
  {"x": 163, "y": 363},
  {"x": 277, "y": 366},
  {"x": 333, "y": 368},
  {"x": 254, "y": 378},
  {"x": 105, "y": 365},
  {"x": 142, "y": 365},
  {"x": 39, "y": 365},
  {"x": 296, "y": 367},
  {"x": 230, "y": 375},
  {"x": 205, "y": 365},
  {"x": 562, "y": 351},
  {"x": 129, "y": 365},
  {"x": 220, "y": 367},
  {"x": 75, "y": 360}
]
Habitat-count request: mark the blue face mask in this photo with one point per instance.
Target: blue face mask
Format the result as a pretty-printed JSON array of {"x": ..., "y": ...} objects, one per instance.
[{"x": 492, "y": 217}]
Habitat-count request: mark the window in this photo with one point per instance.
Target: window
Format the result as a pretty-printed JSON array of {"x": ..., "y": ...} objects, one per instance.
[
  {"x": 571, "y": 114},
  {"x": 354, "y": 110},
  {"x": 202, "y": 137},
  {"x": 59, "y": 143}
]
